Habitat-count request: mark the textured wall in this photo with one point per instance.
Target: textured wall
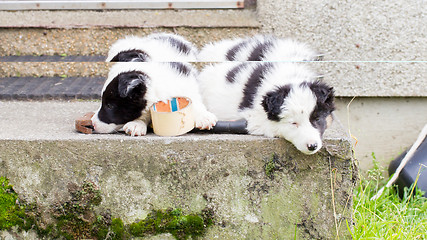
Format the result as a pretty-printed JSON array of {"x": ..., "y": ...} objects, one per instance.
[{"x": 366, "y": 30}]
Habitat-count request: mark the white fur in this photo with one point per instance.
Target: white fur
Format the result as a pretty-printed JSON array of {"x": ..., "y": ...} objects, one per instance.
[
  {"x": 223, "y": 98},
  {"x": 217, "y": 51},
  {"x": 164, "y": 83},
  {"x": 158, "y": 50},
  {"x": 281, "y": 50}
]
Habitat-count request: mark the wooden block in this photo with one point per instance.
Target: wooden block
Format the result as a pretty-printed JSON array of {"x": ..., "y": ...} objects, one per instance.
[{"x": 84, "y": 124}]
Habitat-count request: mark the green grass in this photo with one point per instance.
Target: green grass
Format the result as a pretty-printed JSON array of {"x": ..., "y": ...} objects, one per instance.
[{"x": 388, "y": 217}]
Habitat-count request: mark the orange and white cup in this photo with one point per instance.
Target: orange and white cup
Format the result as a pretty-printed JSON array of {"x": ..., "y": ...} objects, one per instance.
[{"x": 172, "y": 118}]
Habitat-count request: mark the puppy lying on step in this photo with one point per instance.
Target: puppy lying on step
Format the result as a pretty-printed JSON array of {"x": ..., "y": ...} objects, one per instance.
[
  {"x": 277, "y": 100},
  {"x": 132, "y": 88}
]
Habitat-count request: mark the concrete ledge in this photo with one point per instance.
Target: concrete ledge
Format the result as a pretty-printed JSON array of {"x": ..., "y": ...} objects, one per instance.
[
  {"x": 227, "y": 173},
  {"x": 129, "y": 18}
]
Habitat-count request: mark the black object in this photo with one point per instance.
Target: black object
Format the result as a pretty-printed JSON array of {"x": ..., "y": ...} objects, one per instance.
[
  {"x": 230, "y": 127},
  {"x": 236, "y": 127},
  {"x": 409, "y": 173}
]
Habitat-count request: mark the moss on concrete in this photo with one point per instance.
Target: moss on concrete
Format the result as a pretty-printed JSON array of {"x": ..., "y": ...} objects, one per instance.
[
  {"x": 271, "y": 166},
  {"x": 11, "y": 213},
  {"x": 192, "y": 172},
  {"x": 172, "y": 221},
  {"x": 77, "y": 218}
]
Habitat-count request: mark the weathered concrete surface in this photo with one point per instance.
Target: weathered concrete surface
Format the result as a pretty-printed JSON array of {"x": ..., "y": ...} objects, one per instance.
[{"x": 41, "y": 154}]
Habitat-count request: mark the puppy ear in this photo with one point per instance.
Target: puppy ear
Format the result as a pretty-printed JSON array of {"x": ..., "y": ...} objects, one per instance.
[
  {"x": 131, "y": 83},
  {"x": 130, "y": 56},
  {"x": 273, "y": 101},
  {"x": 324, "y": 93}
]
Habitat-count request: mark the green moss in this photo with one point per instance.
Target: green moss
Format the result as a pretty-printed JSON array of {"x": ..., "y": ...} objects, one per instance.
[
  {"x": 11, "y": 213},
  {"x": 271, "y": 166},
  {"x": 118, "y": 228},
  {"x": 76, "y": 218},
  {"x": 174, "y": 222}
]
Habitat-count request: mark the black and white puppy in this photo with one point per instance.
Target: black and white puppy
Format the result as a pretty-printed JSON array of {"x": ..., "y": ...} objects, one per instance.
[
  {"x": 277, "y": 100},
  {"x": 132, "y": 88},
  {"x": 158, "y": 47},
  {"x": 257, "y": 48}
]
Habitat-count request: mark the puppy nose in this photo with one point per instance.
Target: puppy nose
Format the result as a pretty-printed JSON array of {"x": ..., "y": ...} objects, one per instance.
[{"x": 312, "y": 146}]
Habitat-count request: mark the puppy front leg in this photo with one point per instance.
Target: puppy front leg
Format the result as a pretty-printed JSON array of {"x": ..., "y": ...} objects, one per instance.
[
  {"x": 202, "y": 117},
  {"x": 138, "y": 127}
]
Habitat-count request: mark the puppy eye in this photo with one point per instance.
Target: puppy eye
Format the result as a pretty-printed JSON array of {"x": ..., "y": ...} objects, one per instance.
[
  {"x": 295, "y": 124},
  {"x": 109, "y": 106}
]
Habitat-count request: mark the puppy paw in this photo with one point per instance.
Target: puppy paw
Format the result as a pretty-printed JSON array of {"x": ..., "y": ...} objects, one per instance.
[
  {"x": 205, "y": 121},
  {"x": 135, "y": 128}
]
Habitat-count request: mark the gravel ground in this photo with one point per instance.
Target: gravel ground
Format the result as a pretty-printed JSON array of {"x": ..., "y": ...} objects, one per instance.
[
  {"x": 54, "y": 69},
  {"x": 96, "y": 41}
]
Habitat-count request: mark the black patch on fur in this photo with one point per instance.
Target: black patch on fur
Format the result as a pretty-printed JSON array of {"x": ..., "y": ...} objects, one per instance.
[
  {"x": 273, "y": 101},
  {"x": 131, "y": 56},
  {"x": 230, "y": 77},
  {"x": 253, "y": 83},
  {"x": 123, "y": 99},
  {"x": 324, "y": 104},
  {"x": 181, "y": 68},
  {"x": 232, "y": 52},
  {"x": 181, "y": 46},
  {"x": 258, "y": 53}
]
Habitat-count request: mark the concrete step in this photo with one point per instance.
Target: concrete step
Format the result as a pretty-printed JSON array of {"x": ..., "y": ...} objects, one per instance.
[
  {"x": 47, "y": 88},
  {"x": 254, "y": 187}
]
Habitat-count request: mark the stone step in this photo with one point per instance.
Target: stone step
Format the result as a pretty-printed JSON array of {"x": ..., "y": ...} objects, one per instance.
[
  {"x": 47, "y": 88},
  {"x": 253, "y": 187}
]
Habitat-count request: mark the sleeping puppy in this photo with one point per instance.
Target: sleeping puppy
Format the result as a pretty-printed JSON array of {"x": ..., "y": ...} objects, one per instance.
[
  {"x": 257, "y": 48},
  {"x": 277, "y": 100},
  {"x": 158, "y": 47},
  {"x": 132, "y": 88}
]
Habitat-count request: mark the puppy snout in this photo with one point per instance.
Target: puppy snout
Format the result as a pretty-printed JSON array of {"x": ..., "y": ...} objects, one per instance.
[
  {"x": 95, "y": 124},
  {"x": 312, "y": 146}
]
